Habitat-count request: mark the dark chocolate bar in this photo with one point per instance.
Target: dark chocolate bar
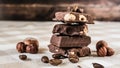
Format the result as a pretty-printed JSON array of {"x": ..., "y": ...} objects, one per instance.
[
  {"x": 73, "y": 41},
  {"x": 73, "y": 17},
  {"x": 57, "y": 50},
  {"x": 70, "y": 30}
]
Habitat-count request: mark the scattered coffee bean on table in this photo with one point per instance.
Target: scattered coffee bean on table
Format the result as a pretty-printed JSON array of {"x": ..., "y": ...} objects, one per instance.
[
  {"x": 59, "y": 56},
  {"x": 23, "y": 57},
  {"x": 55, "y": 62},
  {"x": 45, "y": 59},
  {"x": 96, "y": 65}
]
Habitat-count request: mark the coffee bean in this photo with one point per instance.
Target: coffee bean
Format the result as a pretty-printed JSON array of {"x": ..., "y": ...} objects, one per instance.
[
  {"x": 45, "y": 59},
  {"x": 96, "y": 65},
  {"x": 58, "y": 56},
  {"x": 23, "y": 57},
  {"x": 55, "y": 62},
  {"x": 73, "y": 58}
]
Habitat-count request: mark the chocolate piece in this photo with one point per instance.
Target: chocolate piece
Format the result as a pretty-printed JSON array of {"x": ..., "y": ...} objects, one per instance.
[
  {"x": 70, "y": 30},
  {"x": 73, "y": 17},
  {"x": 66, "y": 41},
  {"x": 57, "y": 50}
]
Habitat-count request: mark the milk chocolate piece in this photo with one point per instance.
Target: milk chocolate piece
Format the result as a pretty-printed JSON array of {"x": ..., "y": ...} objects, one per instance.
[
  {"x": 73, "y": 17},
  {"x": 70, "y": 30},
  {"x": 67, "y": 41},
  {"x": 57, "y": 50}
]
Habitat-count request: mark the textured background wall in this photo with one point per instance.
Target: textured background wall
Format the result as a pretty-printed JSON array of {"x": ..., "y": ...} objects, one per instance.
[{"x": 45, "y": 9}]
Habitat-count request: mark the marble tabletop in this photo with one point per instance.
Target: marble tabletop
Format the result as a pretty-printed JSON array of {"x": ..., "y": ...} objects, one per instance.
[{"x": 12, "y": 32}]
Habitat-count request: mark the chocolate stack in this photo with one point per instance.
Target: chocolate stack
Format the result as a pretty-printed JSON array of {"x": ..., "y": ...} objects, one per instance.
[{"x": 71, "y": 36}]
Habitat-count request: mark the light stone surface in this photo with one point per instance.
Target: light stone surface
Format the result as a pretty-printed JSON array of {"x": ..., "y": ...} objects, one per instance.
[{"x": 12, "y": 32}]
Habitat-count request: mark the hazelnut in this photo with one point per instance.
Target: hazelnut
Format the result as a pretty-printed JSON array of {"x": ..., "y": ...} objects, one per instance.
[
  {"x": 100, "y": 44},
  {"x": 86, "y": 51},
  {"x": 32, "y": 49},
  {"x": 23, "y": 57},
  {"x": 55, "y": 62},
  {"x": 45, "y": 59},
  {"x": 69, "y": 17},
  {"x": 58, "y": 56},
  {"x": 28, "y": 41},
  {"x": 102, "y": 52},
  {"x": 21, "y": 47},
  {"x": 110, "y": 51}
]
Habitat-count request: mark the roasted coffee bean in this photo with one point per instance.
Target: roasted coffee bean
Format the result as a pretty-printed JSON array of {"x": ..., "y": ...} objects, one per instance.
[
  {"x": 23, "y": 57},
  {"x": 58, "y": 56},
  {"x": 45, "y": 59},
  {"x": 96, "y": 65},
  {"x": 55, "y": 62},
  {"x": 21, "y": 47},
  {"x": 73, "y": 58}
]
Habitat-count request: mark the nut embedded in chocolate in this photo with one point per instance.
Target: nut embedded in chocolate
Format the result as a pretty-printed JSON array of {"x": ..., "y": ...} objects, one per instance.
[
  {"x": 45, "y": 59},
  {"x": 32, "y": 49},
  {"x": 110, "y": 51},
  {"x": 23, "y": 57},
  {"x": 55, "y": 62},
  {"x": 30, "y": 40},
  {"x": 21, "y": 47}
]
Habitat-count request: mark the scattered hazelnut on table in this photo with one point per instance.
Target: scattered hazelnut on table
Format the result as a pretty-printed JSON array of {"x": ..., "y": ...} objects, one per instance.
[
  {"x": 102, "y": 52},
  {"x": 100, "y": 44},
  {"x": 21, "y": 47},
  {"x": 23, "y": 57},
  {"x": 29, "y": 40},
  {"x": 45, "y": 59},
  {"x": 110, "y": 51},
  {"x": 32, "y": 49},
  {"x": 103, "y": 49},
  {"x": 55, "y": 62}
]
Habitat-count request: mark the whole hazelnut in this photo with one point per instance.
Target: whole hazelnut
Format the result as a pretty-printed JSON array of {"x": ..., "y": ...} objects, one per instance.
[
  {"x": 86, "y": 51},
  {"x": 102, "y": 51},
  {"x": 55, "y": 62},
  {"x": 45, "y": 59},
  {"x": 32, "y": 49},
  {"x": 23, "y": 57},
  {"x": 100, "y": 44},
  {"x": 28, "y": 41},
  {"x": 21, "y": 47},
  {"x": 110, "y": 51}
]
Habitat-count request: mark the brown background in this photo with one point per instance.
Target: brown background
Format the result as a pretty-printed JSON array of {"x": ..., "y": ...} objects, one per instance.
[{"x": 42, "y": 10}]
